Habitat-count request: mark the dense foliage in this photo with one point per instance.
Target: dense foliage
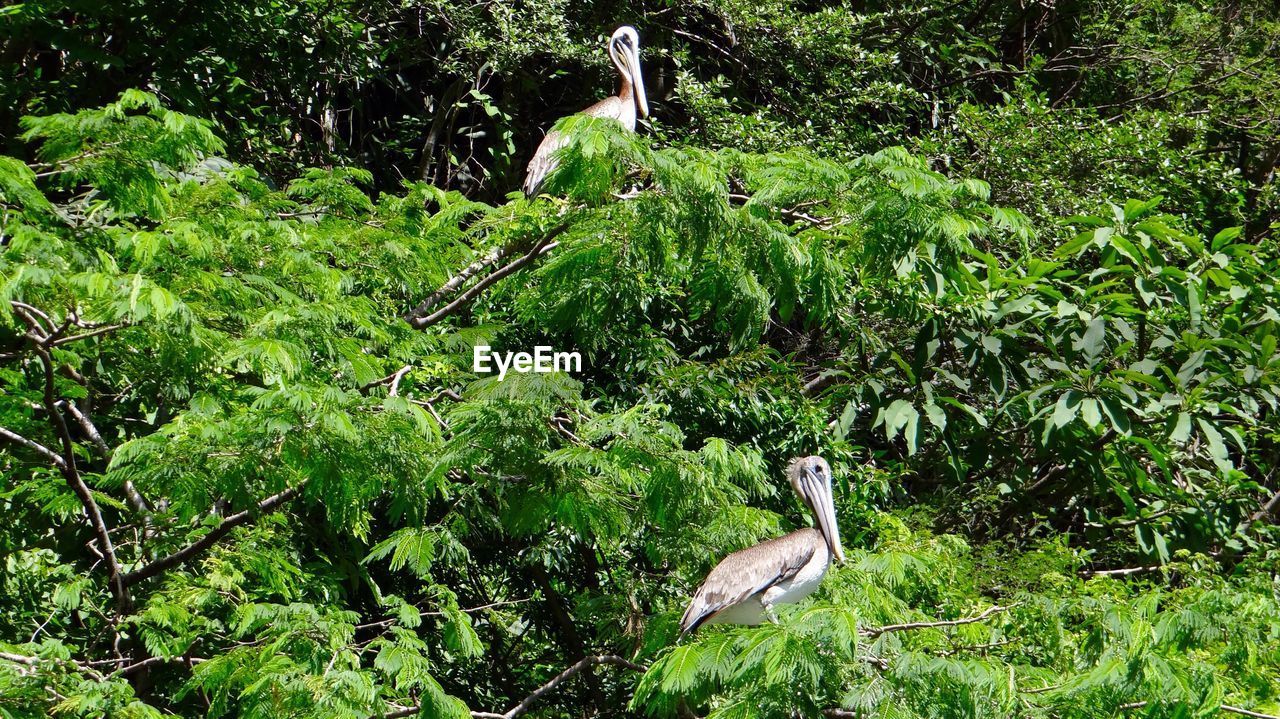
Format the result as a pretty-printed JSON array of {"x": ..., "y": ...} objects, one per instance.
[{"x": 1010, "y": 267}]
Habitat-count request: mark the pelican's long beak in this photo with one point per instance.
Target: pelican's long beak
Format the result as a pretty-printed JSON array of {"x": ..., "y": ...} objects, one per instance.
[
  {"x": 824, "y": 510},
  {"x": 632, "y": 56}
]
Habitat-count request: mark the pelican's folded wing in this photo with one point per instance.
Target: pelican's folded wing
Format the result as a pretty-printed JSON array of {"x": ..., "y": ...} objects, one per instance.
[
  {"x": 748, "y": 572},
  {"x": 543, "y": 162},
  {"x": 544, "y": 158}
]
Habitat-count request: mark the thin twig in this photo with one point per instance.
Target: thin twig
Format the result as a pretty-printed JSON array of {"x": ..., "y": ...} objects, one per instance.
[
  {"x": 824, "y": 223},
  {"x": 459, "y": 279},
  {"x": 33, "y": 662},
  {"x": 1223, "y": 707},
  {"x": 975, "y": 648},
  {"x": 152, "y": 661},
  {"x": 877, "y": 631},
  {"x": 48, "y": 454},
  {"x": 86, "y": 335},
  {"x": 546, "y": 244},
  {"x": 566, "y": 675},
  {"x": 464, "y": 610},
  {"x": 1246, "y": 712},
  {"x": 1119, "y": 572},
  {"x": 215, "y": 534},
  {"x": 392, "y": 379}
]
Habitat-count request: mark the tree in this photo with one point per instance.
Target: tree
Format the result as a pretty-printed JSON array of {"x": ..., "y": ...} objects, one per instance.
[
  {"x": 244, "y": 483},
  {"x": 250, "y": 470}
]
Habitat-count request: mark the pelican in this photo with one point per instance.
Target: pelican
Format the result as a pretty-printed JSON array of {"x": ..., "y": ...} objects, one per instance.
[
  {"x": 624, "y": 50},
  {"x": 745, "y": 585}
]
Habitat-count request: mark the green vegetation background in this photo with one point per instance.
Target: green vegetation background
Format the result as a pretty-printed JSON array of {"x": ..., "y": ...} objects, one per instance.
[{"x": 1010, "y": 266}]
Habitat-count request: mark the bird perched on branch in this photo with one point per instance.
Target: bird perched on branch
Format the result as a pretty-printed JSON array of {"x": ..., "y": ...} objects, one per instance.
[
  {"x": 624, "y": 50},
  {"x": 745, "y": 585}
]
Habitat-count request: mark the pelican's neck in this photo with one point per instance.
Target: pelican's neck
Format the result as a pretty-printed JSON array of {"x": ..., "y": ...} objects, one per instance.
[{"x": 628, "y": 92}]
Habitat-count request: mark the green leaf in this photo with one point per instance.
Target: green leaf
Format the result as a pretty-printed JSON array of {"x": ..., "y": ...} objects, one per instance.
[
  {"x": 1067, "y": 407},
  {"x": 937, "y": 417},
  {"x": 896, "y": 416},
  {"x": 1225, "y": 237},
  {"x": 1090, "y": 412},
  {"x": 1134, "y": 209},
  {"x": 678, "y": 670},
  {"x": 1213, "y": 438},
  {"x": 1117, "y": 415},
  {"x": 1127, "y": 248},
  {"x": 1075, "y": 246},
  {"x": 1091, "y": 343},
  {"x": 1181, "y": 429}
]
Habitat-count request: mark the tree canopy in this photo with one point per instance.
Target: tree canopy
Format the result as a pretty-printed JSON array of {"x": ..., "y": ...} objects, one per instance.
[{"x": 1009, "y": 267}]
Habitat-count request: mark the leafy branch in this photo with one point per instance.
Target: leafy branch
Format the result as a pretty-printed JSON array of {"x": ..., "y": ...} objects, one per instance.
[
  {"x": 212, "y": 537},
  {"x": 1221, "y": 707},
  {"x": 872, "y": 632},
  {"x": 42, "y": 336},
  {"x": 541, "y": 247},
  {"x": 524, "y": 704}
]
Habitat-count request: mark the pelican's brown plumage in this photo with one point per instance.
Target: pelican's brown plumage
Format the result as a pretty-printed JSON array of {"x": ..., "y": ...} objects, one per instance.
[
  {"x": 624, "y": 50},
  {"x": 745, "y": 585}
]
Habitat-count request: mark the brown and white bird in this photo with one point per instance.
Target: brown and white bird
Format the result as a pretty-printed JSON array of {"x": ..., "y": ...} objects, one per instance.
[
  {"x": 624, "y": 50},
  {"x": 745, "y": 585}
]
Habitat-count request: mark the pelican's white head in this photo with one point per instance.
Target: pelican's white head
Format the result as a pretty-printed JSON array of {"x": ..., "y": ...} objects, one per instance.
[
  {"x": 810, "y": 477},
  {"x": 624, "y": 50}
]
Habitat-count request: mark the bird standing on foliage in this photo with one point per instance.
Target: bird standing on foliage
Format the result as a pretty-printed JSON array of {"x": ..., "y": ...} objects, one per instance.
[
  {"x": 745, "y": 585},
  {"x": 624, "y": 50}
]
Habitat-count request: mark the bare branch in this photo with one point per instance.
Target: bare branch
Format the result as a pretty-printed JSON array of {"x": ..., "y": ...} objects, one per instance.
[
  {"x": 543, "y": 246},
  {"x": 392, "y": 379},
  {"x": 821, "y": 382},
  {"x": 1119, "y": 572},
  {"x": 34, "y": 316},
  {"x": 67, "y": 467},
  {"x": 89, "y": 428},
  {"x": 459, "y": 279},
  {"x": 34, "y": 662},
  {"x": 49, "y": 454},
  {"x": 793, "y": 214},
  {"x": 152, "y": 661},
  {"x": 1267, "y": 509},
  {"x": 446, "y": 393},
  {"x": 877, "y": 631},
  {"x": 429, "y": 405},
  {"x": 1246, "y": 712},
  {"x": 217, "y": 533},
  {"x": 20, "y": 659},
  {"x": 86, "y": 335},
  {"x": 130, "y": 490}
]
